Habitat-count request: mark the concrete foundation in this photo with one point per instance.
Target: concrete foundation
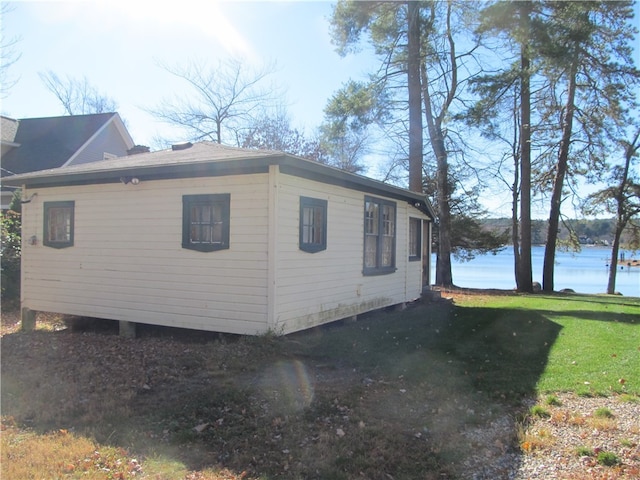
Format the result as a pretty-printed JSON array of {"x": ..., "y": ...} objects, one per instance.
[
  {"x": 28, "y": 318},
  {"x": 127, "y": 329}
]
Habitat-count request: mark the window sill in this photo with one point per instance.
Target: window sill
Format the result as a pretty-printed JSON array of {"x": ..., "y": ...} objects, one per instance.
[
  {"x": 313, "y": 248},
  {"x": 369, "y": 272},
  {"x": 204, "y": 248},
  {"x": 57, "y": 245}
]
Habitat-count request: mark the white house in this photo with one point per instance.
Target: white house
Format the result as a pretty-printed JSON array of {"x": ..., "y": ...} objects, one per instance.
[{"x": 218, "y": 238}]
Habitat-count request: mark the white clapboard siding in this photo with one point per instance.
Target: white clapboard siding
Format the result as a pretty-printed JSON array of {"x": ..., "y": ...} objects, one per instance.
[
  {"x": 127, "y": 262},
  {"x": 314, "y": 288}
]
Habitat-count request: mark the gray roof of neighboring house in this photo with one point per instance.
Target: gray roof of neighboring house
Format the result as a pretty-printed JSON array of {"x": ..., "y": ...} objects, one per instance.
[
  {"x": 50, "y": 142},
  {"x": 210, "y": 159}
]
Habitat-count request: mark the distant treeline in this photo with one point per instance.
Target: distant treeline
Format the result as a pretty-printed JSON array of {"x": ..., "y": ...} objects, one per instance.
[{"x": 584, "y": 232}]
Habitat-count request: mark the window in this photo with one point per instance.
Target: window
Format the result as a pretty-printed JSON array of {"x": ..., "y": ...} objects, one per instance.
[
  {"x": 313, "y": 224},
  {"x": 58, "y": 224},
  {"x": 379, "y": 236},
  {"x": 205, "y": 222},
  {"x": 415, "y": 239}
]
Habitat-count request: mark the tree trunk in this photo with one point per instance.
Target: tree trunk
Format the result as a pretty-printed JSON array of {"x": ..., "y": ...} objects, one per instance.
[
  {"x": 515, "y": 231},
  {"x": 219, "y": 131},
  {"x": 615, "y": 250},
  {"x": 524, "y": 277},
  {"x": 444, "y": 275},
  {"x": 622, "y": 216},
  {"x": 415, "y": 93},
  {"x": 558, "y": 183},
  {"x": 515, "y": 193}
]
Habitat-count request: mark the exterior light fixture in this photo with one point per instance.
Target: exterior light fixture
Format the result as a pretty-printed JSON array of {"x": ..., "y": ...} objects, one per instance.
[{"x": 131, "y": 180}]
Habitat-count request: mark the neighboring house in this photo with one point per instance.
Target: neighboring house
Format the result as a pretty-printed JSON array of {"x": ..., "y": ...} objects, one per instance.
[
  {"x": 32, "y": 144},
  {"x": 218, "y": 238}
]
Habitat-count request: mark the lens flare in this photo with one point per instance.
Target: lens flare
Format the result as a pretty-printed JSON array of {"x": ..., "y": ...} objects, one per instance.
[{"x": 288, "y": 383}]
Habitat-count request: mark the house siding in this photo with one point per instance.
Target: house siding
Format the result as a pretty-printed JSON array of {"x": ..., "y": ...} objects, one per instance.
[
  {"x": 316, "y": 288},
  {"x": 127, "y": 262},
  {"x": 108, "y": 140}
]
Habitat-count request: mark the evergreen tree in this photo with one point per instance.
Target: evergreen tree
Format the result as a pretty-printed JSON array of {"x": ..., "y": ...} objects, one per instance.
[
  {"x": 585, "y": 49},
  {"x": 417, "y": 43},
  {"x": 512, "y": 22}
]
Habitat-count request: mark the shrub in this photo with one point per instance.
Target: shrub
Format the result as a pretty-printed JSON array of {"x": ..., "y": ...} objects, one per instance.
[{"x": 10, "y": 251}]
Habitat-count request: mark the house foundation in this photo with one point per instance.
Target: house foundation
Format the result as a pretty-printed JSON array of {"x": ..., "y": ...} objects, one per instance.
[
  {"x": 28, "y": 318},
  {"x": 127, "y": 329}
]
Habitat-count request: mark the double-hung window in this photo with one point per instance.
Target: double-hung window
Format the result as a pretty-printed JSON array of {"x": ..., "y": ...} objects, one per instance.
[
  {"x": 415, "y": 239},
  {"x": 58, "y": 224},
  {"x": 379, "y": 236},
  {"x": 205, "y": 222},
  {"x": 313, "y": 224}
]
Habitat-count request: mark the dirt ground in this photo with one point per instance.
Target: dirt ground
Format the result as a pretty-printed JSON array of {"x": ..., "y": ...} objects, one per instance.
[{"x": 90, "y": 379}]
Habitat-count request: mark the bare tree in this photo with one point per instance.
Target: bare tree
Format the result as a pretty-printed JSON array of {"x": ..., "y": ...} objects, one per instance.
[
  {"x": 77, "y": 96},
  {"x": 222, "y": 99},
  {"x": 8, "y": 54}
]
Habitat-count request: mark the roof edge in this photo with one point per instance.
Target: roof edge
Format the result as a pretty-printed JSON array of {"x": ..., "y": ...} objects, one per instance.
[{"x": 289, "y": 164}]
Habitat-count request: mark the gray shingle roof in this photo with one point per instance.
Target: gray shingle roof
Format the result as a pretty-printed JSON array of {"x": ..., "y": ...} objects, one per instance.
[
  {"x": 209, "y": 159},
  {"x": 50, "y": 142}
]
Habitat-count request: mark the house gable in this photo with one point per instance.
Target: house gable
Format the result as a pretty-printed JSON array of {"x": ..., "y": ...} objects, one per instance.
[
  {"x": 111, "y": 140},
  {"x": 46, "y": 143}
]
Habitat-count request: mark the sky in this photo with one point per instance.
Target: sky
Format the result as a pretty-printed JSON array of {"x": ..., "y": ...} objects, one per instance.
[{"x": 118, "y": 45}]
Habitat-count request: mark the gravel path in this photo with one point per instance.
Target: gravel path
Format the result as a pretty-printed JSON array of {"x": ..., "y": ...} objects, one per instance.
[{"x": 556, "y": 446}]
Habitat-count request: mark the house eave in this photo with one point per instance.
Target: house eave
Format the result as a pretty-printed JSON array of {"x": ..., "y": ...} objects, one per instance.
[{"x": 239, "y": 166}]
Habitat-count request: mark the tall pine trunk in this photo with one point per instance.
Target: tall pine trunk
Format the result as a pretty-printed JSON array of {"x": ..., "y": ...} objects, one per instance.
[
  {"x": 515, "y": 194},
  {"x": 415, "y": 96},
  {"x": 558, "y": 182},
  {"x": 524, "y": 276}
]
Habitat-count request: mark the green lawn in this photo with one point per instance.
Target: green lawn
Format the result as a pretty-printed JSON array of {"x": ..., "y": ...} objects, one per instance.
[{"x": 501, "y": 345}]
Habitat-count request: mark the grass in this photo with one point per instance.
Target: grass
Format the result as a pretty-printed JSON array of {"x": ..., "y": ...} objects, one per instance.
[
  {"x": 385, "y": 396},
  {"x": 603, "y": 412},
  {"x": 608, "y": 459},
  {"x": 583, "y": 451},
  {"x": 539, "y": 411},
  {"x": 566, "y": 325},
  {"x": 60, "y": 453},
  {"x": 552, "y": 400}
]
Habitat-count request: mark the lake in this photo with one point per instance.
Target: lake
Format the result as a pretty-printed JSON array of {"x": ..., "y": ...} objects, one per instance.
[{"x": 585, "y": 271}]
